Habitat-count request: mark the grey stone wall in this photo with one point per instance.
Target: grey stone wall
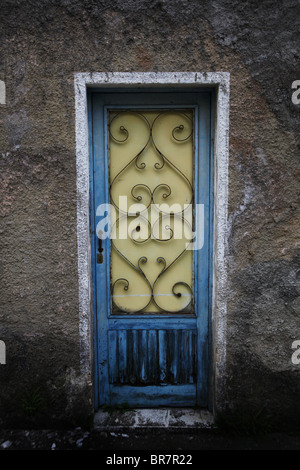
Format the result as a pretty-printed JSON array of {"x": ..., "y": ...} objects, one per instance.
[{"x": 42, "y": 45}]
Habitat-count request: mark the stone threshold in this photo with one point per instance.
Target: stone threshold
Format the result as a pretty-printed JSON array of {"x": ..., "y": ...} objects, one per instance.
[{"x": 150, "y": 418}]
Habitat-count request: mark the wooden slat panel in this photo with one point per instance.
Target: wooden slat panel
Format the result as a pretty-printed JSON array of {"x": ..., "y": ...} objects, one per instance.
[
  {"x": 191, "y": 363},
  {"x": 162, "y": 354},
  {"x": 152, "y": 357},
  {"x": 173, "y": 353},
  {"x": 122, "y": 356},
  {"x": 112, "y": 356},
  {"x": 143, "y": 353},
  {"x": 184, "y": 357},
  {"x": 133, "y": 356},
  {"x": 153, "y": 376}
]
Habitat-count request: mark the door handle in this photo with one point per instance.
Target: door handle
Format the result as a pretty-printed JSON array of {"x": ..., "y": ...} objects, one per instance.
[{"x": 100, "y": 249}]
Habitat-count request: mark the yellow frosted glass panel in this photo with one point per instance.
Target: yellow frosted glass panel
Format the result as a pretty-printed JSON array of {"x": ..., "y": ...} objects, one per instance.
[{"x": 151, "y": 166}]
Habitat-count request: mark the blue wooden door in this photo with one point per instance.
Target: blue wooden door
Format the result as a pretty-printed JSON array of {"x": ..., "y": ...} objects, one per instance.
[{"x": 151, "y": 238}]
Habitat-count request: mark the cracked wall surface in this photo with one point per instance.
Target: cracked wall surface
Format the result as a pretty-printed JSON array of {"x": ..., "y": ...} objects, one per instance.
[{"x": 42, "y": 45}]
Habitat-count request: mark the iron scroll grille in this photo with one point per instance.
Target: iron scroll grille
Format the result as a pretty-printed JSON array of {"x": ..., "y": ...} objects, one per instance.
[{"x": 148, "y": 193}]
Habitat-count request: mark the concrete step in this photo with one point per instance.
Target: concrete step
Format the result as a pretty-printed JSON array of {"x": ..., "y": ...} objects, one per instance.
[{"x": 166, "y": 418}]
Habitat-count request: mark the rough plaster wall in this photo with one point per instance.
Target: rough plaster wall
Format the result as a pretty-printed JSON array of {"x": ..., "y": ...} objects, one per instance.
[{"x": 43, "y": 44}]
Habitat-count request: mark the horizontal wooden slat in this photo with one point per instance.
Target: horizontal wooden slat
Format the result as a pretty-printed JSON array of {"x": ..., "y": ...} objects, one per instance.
[
  {"x": 160, "y": 322},
  {"x": 152, "y": 396}
]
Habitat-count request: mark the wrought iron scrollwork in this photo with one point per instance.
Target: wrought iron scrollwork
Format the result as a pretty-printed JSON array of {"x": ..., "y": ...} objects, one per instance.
[{"x": 143, "y": 194}]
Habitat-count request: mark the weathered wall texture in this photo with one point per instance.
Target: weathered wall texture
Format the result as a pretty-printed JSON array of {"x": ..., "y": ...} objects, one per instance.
[{"x": 42, "y": 45}]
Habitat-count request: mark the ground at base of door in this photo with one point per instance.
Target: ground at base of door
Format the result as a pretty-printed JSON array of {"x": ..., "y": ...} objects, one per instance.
[
  {"x": 171, "y": 418},
  {"x": 156, "y": 439}
]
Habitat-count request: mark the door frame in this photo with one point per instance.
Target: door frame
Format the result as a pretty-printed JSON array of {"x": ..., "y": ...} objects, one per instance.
[
  {"x": 198, "y": 393},
  {"x": 220, "y": 82}
]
